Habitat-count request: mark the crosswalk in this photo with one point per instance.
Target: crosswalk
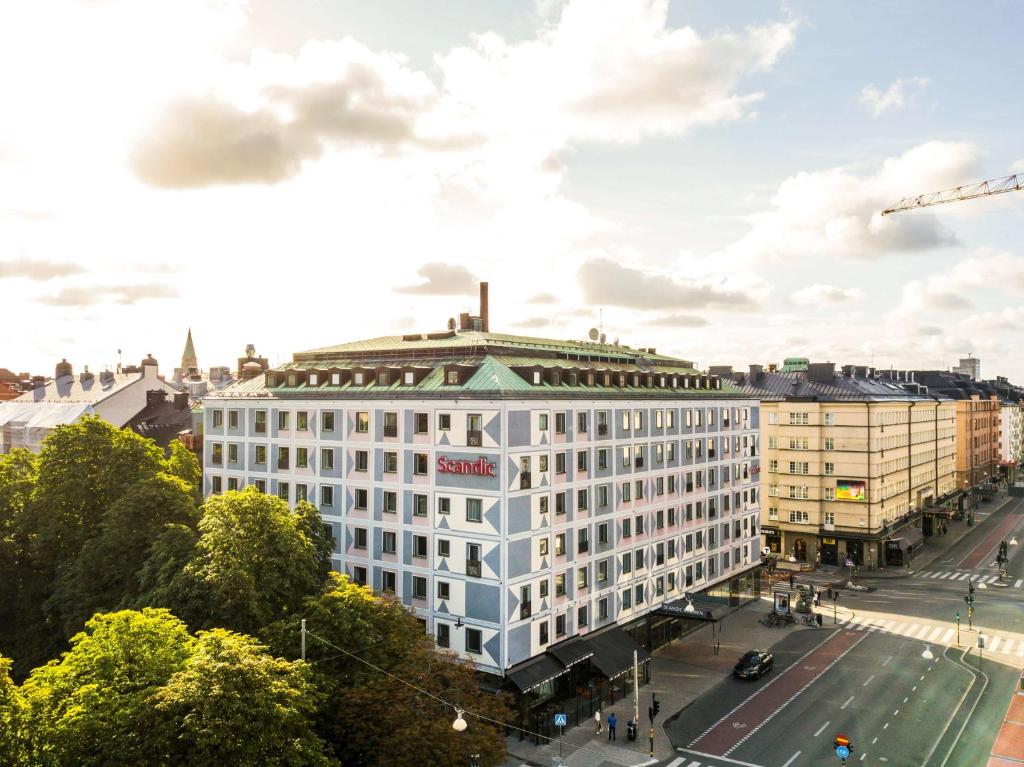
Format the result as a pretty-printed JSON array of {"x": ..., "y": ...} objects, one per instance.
[
  {"x": 965, "y": 575},
  {"x": 932, "y": 634}
]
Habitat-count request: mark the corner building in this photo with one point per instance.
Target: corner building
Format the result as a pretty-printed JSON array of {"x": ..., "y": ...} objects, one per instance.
[{"x": 516, "y": 494}]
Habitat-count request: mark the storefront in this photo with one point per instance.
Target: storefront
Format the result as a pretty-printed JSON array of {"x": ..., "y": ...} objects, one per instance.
[
  {"x": 772, "y": 539},
  {"x": 854, "y": 552},
  {"x": 829, "y": 551},
  {"x": 903, "y": 547}
]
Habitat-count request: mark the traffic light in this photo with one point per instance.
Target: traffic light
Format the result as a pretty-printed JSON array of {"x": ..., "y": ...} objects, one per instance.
[
  {"x": 657, "y": 706},
  {"x": 970, "y": 587}
]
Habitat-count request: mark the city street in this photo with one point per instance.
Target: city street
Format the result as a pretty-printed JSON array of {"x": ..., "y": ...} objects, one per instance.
[{"x": 866, "y": 677}]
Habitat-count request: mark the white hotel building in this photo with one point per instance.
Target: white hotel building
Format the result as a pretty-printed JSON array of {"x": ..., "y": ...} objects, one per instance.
[{"x": 521, "y": 496}]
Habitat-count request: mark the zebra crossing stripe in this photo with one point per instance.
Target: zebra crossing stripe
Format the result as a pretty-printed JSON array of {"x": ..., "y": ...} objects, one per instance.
[
  {"x": 991, "y": 579},
  {"x": 994, "y": 644},
  {"x": 1008, "y": 646},
  {"x": 1020, "y": 649},
  {"x": 947, "y": 636},
  {"x": 935, "y": 633},
  {"x": 1018, "y": 583}
]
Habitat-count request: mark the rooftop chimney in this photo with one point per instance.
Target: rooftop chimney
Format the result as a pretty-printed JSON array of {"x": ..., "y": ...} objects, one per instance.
[
  {"x": 821, "y": 371},
  {"x": 484, "y": 307},
  {"x": 63, "y": 369},
  {"x": 755, "y": 373}
]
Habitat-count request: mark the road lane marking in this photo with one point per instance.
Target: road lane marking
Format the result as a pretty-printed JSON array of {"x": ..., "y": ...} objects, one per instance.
[
  {"x": 886, "y": 661},
  {"x": 906, "y": 699},
  {"x": 1018, "y": 583},
  {"x": 715, "y": 756},
  {"x": 991, "y": 579},
  {"x": 848, "y": 700},
  {"x": 821, "y": 729},
  {"x": 874, "y": 741},
  {"x": 886, "y": 727},
  {"x": 914, "y": 688},
  {"x": 922, "y": 677},
  {"x": 896, "y": 712},
  {"x": 792, "y": 759},
  {"x": 868, "y": 680},
  {"x": 678, "y": 761}
]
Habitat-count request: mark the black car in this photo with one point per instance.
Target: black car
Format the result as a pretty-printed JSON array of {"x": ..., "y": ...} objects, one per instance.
[{"x": 753, "y": 664}]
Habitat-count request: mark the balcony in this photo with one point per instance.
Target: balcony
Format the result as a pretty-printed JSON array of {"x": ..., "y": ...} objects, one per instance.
[
  {"x": 474, "y": 567},
  {"x": 525, "y": 610},
  {"x": 474, "y": 438},
  {"x": 525, "y": 480}
]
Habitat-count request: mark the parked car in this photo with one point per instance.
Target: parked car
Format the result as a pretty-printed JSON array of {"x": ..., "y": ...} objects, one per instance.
[{"x": 753, "y": 664}]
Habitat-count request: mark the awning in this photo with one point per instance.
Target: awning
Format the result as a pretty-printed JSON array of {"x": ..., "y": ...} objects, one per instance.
[
  {"x": 678, "y": 609},
  {"x": 535, "y": 672},
  {"x": 907, "y": 538},
  {"x": 613, "y": 652},
  {"x": 939, "y": 511},
  {"x": 571, "y": 651}
]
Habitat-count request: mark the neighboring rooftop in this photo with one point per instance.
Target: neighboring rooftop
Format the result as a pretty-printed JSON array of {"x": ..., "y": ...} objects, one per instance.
[{"x": 824, "y": 382}]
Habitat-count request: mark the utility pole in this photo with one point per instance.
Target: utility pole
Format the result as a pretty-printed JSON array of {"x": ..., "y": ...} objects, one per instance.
[
  {"x": 303, "y": 639},
  {"x": 958, "y": 629},
  {"x": 636, "y": 690}
]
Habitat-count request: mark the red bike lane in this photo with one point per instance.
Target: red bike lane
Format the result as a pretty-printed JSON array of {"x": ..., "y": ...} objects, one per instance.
[
  {"x": 979, "y": 553},
  {"x": 747, "y": 718}
]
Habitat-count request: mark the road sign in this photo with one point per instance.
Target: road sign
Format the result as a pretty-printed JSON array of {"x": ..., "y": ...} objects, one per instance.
[
  {"x": 842, "y": 752},
  {"x": 560, "y": 720},
  {"x": 981, "y": 641},
  {"x": 841, "y": 740}
]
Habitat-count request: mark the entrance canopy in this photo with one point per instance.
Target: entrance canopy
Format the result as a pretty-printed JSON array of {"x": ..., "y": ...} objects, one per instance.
[
  {"x": 682, "y": 608},
  {"x": 571, "y": 651},
  {"x": 613, "y": 652},
  {"x": 535, "y": 672}
]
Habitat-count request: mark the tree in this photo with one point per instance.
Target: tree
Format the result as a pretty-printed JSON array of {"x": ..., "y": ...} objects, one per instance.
[
  {"x": 233, "y": 703},
  {"x": 254, "y": 561},
  {"x": 371, "y": 719},
  {"x": 90, "y": 707},
  {"x": 183, "y": 464},
  {"x": 13, "y": 736},
  {"x": 105, "y": 574},
  {"x": 18, "y": 472}
]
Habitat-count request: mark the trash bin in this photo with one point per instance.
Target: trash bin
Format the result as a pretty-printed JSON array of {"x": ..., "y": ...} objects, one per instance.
[{"x": 631, "y": 730}]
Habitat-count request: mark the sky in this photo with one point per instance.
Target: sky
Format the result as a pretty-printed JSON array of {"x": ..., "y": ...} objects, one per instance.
[{"x": 701, "y": 177}]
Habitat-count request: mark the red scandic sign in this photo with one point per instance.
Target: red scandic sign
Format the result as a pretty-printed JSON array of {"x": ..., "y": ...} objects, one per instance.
[
  {"x": 724, "y": 736},
  {"x": 842, "y": 740},
  {"x": 980, "y": 553},
  {"x": 480, "y": 467}
]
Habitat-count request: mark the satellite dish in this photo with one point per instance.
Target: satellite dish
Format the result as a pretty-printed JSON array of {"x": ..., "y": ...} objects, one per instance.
[
  {"x": 250, "y": 350},
  {"x": 593, "y": 334},
  {"x": 603, "y": 337}
]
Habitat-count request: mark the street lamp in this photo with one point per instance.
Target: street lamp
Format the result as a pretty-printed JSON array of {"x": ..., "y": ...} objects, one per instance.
[
  {"x": 689, "y": 605},
  {"x": 928, "y": 654},
  {"x": 459, "y": 725}
]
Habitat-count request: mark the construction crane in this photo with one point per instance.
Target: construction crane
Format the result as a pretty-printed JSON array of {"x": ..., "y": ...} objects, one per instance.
[{"x": 1012, "y": 183}]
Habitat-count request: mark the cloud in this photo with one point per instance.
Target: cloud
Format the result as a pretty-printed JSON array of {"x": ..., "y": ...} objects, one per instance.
[
  {"x": 958, "y": 288},
  {"x": 39, "y": 270},
  {"x": 677, "y": 321},
  {"x": 599, "y": 72},
  {"x": 443, "y": 280},
  {"x": 543, "y": 298},
  {"x": 895, "y": 97},
  {"x": 533, "y": 323},
  {"x": 1017, "y": 167},
  {"x": 84, "y": 295},
  {"x": 607, "y": 282},
  {"x": 332, "y": 94},
  {"x": 837, "y": 212},
  {"x": 825, "y": 295}
]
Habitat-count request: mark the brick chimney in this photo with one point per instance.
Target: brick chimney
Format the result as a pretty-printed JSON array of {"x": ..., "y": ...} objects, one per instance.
[{"x": 484, "y": 308}]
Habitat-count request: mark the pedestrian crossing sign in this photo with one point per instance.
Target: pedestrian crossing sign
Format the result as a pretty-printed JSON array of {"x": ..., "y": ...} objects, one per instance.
[{"x": 560, "y": 720}]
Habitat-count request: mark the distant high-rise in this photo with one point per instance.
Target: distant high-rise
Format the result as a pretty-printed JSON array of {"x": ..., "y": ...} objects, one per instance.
[{"x": 969, "y": 366}]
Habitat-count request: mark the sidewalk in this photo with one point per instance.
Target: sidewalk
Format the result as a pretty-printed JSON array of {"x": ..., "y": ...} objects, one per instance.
[{"x": 681, "y": 672}]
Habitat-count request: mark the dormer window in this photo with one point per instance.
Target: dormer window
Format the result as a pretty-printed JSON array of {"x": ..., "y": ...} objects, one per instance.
[
  {"x": 536, "y": 377},
  {"x": 314, "y": 379},
  {"x": 574, "y": 379},
  {"x": 410, "y": 378},
  {"x": 383, "y": 379},
  {"x": 607, "y": 379},
  {"x": 335, "y": 379},
  {"x": 358, "y": 378},
  {"x": 636, "y": 379},
  {"x": 590, "y": 379},
  {"x": 675, "y": 382},
  {"x": 622, "y": 380},
  {"x": 292, "y": 379},
  {"x": 661, "y": 381},
  {"x": 556, "y": 378},
  {"x": 686, "y": 382},
  {"x": 451, "y": 377}
]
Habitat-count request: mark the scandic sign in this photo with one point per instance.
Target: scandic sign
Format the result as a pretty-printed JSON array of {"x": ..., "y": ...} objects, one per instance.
[{"x": 481, "y": 467}]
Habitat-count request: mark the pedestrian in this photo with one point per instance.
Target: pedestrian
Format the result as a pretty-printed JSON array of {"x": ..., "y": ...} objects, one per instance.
[
  {"x": 612, "y": 721},
  {"x": 597, "y": 720},
  {"x": 817, "y": 559},
  {"x": 791, "y": 580}
]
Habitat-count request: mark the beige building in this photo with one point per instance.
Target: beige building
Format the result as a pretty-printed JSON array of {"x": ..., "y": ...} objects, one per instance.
[{"x": 853, "y": 467}]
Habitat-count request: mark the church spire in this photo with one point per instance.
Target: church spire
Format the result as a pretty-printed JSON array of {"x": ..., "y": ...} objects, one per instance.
[{"x": 188, "y": 357}]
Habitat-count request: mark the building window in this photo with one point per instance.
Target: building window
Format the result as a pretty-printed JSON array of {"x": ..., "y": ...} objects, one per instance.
[
  {"x": 388, "y": 542},
  {"x": 232, "y": 419},
  {"x": 602, "y": 495},
  {"x": 358, "y": 378},
  {"x": 602, "y": 571},
  {"x": 829, "y": 493},
  {"x": 419, "y": 545},
  {"x": 474, "y": 510},
  {"x": 830, "y": 468},
  {"x": 560, "y": 625},
  {"x": 283, "y": 458},
  {"x": 261, "y": 421},
  {"x": 390, "y": 462},
  {"x": 474, "y": 641},
  {"x": 301, "y": 458},
  {"x": 232, "y": 453},
  {"x": 444, "y": 547},
  {"x": 302, "y": 492},
  {"x": 560, "y": 503},
  {"x": 582, "y": 578},
  {"x": 626, "y": 491},
  {"x": 581, "y": 422},
  {"x": 443, "y": 635},
  {"x": 390, "y": 424},
  {"x": 627, "y": 563},
  {"x": 359, "y": 575},
  {"x": 359, "y": 537},
  {"x": 544, "y": 589},
  {"x": 362, "y": 422},
  {"x": 282, "y": 491},
  {"x": 542, "y": 637},
  {"x": 420, "y": 465},
  {"x": 217, "y": 457},
  {"x": 559, "y": 544},
  {"x": 360, "y": 497},
  {"x": 302, "y": 420},
  {"x": 542, "y": 422},
  {"x": 560, "y": 423},
  {"x": 798, "y": 419},
  {"x": 582, "y": 499},
  {"x": 326, "y": 458},
  {"x": 799, "y": 517},
  {"x": 543, "y": 504},
  {"x": 218, "y": 419},
  {"x": 830, "y": 419},
  {"x": 542, "y": 547},
  {"x": 452, "y": 377},
  {"x": 444, "y": 505},
  {"x": 444, "y": 421},
  {"x": 261, "y": 455},
  {"x": 583, "y": 540},
  {"x": 602, "y": 533},
  {"x": 581, "y": 460},
  {"x": 282, "y": 420},
  {"x": 627, "y": 599},
  {"x": 326, "y": 495},
  {"x": 419, "y": 505},
  {"x": 830, "y": 518},
  {"x": 559, "y": 463},
  {"x": 420, "y": 423},
  {"x": 327, "y": 421},
  {"x": 830, "y": 443},
  {"x": 390, "y": 498},
  {"x": 560, "y": 585}
]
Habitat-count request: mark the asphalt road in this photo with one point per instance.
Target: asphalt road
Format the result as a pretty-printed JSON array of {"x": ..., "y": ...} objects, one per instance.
[{"x": 867, "y": 678}]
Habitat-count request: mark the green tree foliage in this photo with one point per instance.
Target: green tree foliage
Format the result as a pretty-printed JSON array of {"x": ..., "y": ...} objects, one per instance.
[
  {"x": 89, "y": 708},
  {"x": 183, "y": 464},
  {"x": 370, "y": 719},
  {"x": 13, "y": 735},
  {"x": 233, "y": 703},
  {"x": 254, "y": 561},
  {"x": 105, "y": 574}
]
